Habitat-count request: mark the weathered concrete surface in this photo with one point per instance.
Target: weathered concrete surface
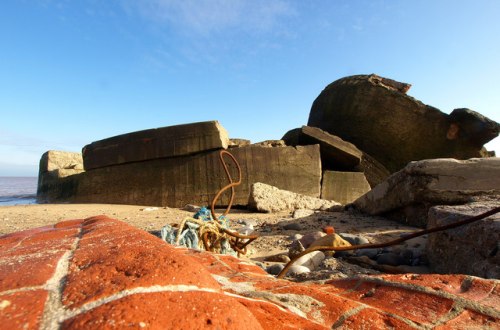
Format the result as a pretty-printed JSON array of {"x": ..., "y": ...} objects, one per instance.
[
  {"x": 266, "y": 198},
  {"x": 422, "y": 184},
  {"x": 472, "y": 249},
  {"x": 343, "y": 187},
  {"x": 100, "y": 273},
  {"x": 164, "y": 142},
  {"x": 55, "y": 165},
  {"x": 337, "y": 154},
  {"x": 375, "y": 172},
  {"x": 376, "y": 115},
  {"x": 195, "y": 179}
]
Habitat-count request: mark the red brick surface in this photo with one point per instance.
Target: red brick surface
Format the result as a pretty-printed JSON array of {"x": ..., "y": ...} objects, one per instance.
[{"x": 100, "y": 273}]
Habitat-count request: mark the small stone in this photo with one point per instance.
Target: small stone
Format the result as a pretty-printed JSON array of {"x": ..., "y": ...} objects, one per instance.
[
  {"x": 248, "y": 222},
  {"x": 329, "y": 230},
  {"x": 295, "y": 249},
  {"x": 370, "y": 253},
  {"x": 292, "y": 226},
  {"x": 191, "y": 208},
  {"x": 149, "y": 209},
  {"x": 142, "y": 324},
  {"x": 309, "y": 238},
  {"x": 391, "y": 259},
  {"x": 354, "y": 239},
  {"x": 278, "y": 258},
  {"x": 275, "y": 269},
  {"x": 296, "y": 270},
  {"x": 311, "y": 260},
  {"x": 295, "y": 237},
  {"x": 302, "y": 213}
]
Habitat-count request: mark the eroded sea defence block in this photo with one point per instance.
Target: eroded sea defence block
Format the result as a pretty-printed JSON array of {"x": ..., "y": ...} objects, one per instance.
[
  {"x": 337, "y": 154},
  {"x": 343, "y": 187},
  {"x": 472, "y": 249},
  {"x": 55, "y": 165},
  {"x": 408, "y": 194},
  {"x": 164, "y": 142},
  {"x": 195, "y": 179},
  {"x": 376, "y": 115}
]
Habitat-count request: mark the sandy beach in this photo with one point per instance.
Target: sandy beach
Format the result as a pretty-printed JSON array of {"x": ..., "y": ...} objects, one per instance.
[{"x": 273, "y": 238}]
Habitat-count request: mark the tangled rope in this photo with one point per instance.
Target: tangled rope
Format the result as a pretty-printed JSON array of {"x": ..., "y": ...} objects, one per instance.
[
  {"x": 213, "y": 231},
  {"x": 393, "y": 242}
]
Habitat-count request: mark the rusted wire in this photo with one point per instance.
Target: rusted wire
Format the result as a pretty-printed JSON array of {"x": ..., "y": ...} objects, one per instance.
[
  {"x": 393, "y": 242},
  {"x": 234, "y": 237}
]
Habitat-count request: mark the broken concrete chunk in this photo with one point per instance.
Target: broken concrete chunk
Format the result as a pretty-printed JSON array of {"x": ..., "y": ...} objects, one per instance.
[
  {"x": 236, "y": 143},
  {"x": 335, "y": 152},
  {"x": 410, "y": 192},
  {"x": 394, "y": 128},
  {"x": 58, "y": 160},
  {"x": 266, "y": 198},
  {"x": 195, "y": 179},
  {"x": 471, "y": 249},
  {"x": 164, "y": 142},
  {"x": 54, "y": 166},
  {"x": 343, "y": 187}
]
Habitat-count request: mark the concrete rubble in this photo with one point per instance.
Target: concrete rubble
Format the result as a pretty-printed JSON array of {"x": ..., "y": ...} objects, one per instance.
[
  {"x": 409, "y": 193},
  {"x": 368, "y": 147},
  {"x": 266, "y": 198}
]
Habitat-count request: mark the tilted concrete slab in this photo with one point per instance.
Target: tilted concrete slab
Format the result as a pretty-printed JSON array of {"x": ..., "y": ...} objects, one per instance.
[
  {"x": 422, "y": 184},
  {"x": 343, "y": 187},
  {"x": 164, "y": 142},
  {"x": 195, "y": 179},
  {"x": 337, "y": 154},
  {"x": 334, "y": 151}
]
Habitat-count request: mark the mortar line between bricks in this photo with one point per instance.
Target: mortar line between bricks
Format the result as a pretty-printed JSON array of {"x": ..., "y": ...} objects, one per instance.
[
  {"x": 128, "y": 292},
  {"x": 455, "y": 311},
  {"x": 382, "y": 311},
  {"x": 460, "y": 301},
  {"x": 403, "y": 319},
  {"x": 283, "y": 309},
  {"x": 23, "y": 289},
  {"x": 54, "y": 308},
  {"x": 346, "y": 315}
]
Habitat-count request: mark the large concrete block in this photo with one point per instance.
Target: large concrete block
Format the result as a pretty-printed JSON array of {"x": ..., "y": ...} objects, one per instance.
[
  {"x": 164, "y": 142},
  {"x": 409, "y": 193},
  {"x": 343, "y": 187},
  {"x": 376, "y": 115},
  {"x": 195, "y": 179},
  {"x": 55, "y": 165},
  {"x": 337, "y": 154},
  {"x": 472, "y": 249}
]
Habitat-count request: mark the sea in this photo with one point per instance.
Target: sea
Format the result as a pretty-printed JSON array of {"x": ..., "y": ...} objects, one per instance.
[{"x": 17, "y": 190}]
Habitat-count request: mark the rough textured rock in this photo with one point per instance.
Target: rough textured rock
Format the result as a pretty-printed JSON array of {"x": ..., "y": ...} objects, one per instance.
[
  {"x": 337, "y": 154},
  {"x": 410, "y": 192},
  {"x": 236, "y": 143},
  {"x": 266, "y": 198},
  {"x": 164, "y": 142},
  {"x": 178, "y": 181},
  {"x": 343, "y": 187},
  {"x": 471, "y": 249},
  {"x": 378, "y": 117},
  {"x": 55, "y": 165},
  {"x": 100, "y": 273}
]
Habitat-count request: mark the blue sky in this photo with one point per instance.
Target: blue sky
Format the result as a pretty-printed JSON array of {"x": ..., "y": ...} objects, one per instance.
[{"x": 73, "y": 72}]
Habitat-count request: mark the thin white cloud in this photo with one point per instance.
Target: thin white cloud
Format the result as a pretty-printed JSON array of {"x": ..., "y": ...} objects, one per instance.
[{"x": 205, "y": 17}]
